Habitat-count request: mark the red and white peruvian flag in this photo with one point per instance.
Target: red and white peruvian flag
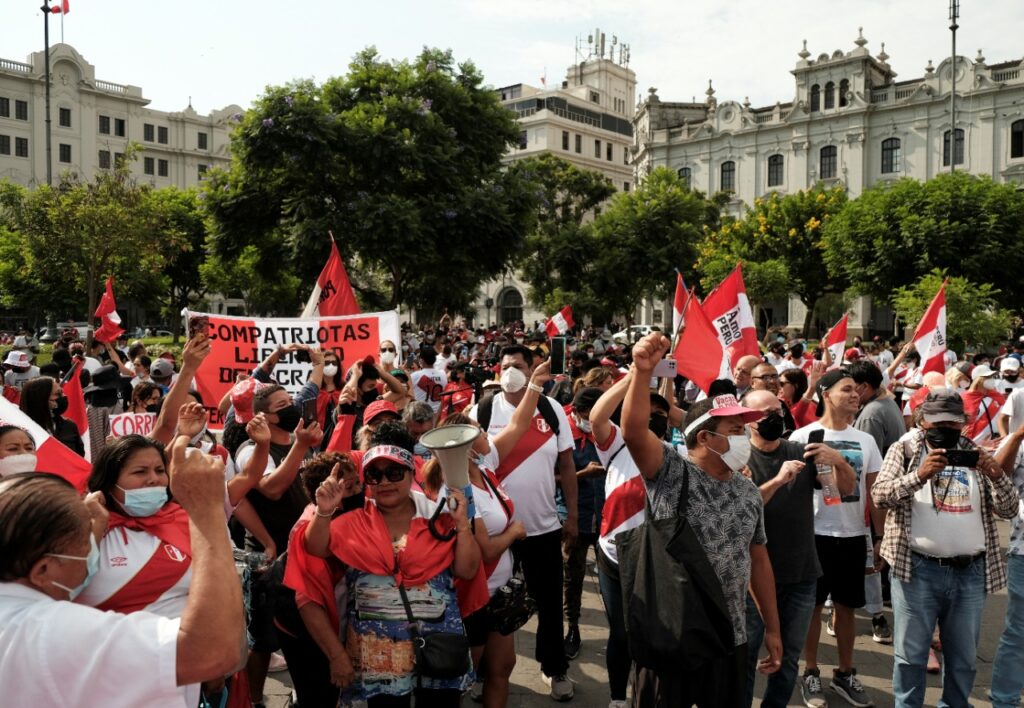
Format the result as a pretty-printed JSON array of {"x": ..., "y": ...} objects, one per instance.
[
  {"x": 332, "y": 295},
  {"x": 110, "y": 321},
  {"x": 699, "y": 354},
  {"x": 560, "y": 323},
  {"x": 64, "y": 7},
  {"x": 930, "y": 335},
  {"x": 678, "y": 304},
  {"x": 77, "y": 413},
  {"x": 51, "y": 454},
  {"x": 836, "y": 342},
  {"x": 729, "y": 311}
]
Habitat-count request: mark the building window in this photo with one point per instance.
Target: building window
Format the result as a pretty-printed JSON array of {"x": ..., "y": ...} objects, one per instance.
[
  {"x": 202, "y": 141},
  {"x": 685, "y": 175},
  {"x": 625, "y": 186},
  {"x": 830, "y": 95},
  {"x": 815, "y": 98},
  {"x": 579, "y": 143},
  {"x": 5, "y": 144},
  {"x": 64, "y": 117},
  {"x": 608, "y": 151},
  {"x": 625, "y": 156},
  {"x": 202, "y": 171},
  {"x": 65, "y": 153},
  {"x": 728, "y": 173},
  {"x": 958, "y": 148},
  {"x": 161, "y": 135},
  {"x": 522, "y": 139},
  {"x": 1017, "y": 139},
  {"x": 5, "y": 107},
  {"x": 890, "y": 155},
  {"x": 595, "y": 97},
  {"x": 105, "y": 125},
  {"x": 597, "y": 149},
  {"x": 149, "y": 132},
  {"x": 828, "y": 162},
  {"x": 21, "y": 110},
  {"x": 118, "y": 159},
  {"x": 510, "y": 306},
  {"x": 21, "y": 147},
  {"x": 104, "y": 159},
  {"x": 119, "y": 127},
  {"x": 775, "y": 165},
  {"x": 162, "y": 168},
  {"x": 149, "y": 165},
  {"x": 565, "y": 139},
  {"x": 844, "y": 88}
]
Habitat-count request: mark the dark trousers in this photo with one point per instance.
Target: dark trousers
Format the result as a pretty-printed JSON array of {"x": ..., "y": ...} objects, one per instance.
[
  {"x": 425, "y": 698},
  {"x": 310, "y": 671},
  {"x": 715, "y": 684},
  {"x": 575, "y": 571},
  {"x": 617, "y": 658},
  {"x": 541, "y": 559}
]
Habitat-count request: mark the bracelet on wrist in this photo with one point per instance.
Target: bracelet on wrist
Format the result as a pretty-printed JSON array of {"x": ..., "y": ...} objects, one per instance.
[
  {"x": 327, "y": 515},
  {"x": 535, "y": 388}
]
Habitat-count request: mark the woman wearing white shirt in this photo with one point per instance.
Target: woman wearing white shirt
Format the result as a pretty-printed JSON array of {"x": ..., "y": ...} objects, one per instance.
[{"x": 60, "y": 653}]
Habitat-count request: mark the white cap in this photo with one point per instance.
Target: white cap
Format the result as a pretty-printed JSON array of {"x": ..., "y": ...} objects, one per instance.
[
  {"x": 981, "y": 371},
  {"x": 1010, "y": 364}
]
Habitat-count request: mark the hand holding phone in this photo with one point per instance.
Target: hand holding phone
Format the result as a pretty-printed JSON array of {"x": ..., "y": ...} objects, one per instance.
[{"x": 308, "y": 411}]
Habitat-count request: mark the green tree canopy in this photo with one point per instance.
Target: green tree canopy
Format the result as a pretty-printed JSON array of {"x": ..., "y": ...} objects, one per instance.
[
  {"x": 402, "y": 160},
  {"x": 893, "y": 234}
]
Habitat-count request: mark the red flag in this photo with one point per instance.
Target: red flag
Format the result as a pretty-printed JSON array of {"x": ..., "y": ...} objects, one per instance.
[
  {"x": 560, "y": 323},
  {"x": 110, "y": 325},
  {"x": 836, "y": 342},
  {"x": 678, "y": 304},
  {"x": 51, "y": 455},
  {"x": 77, "y": 412},
  {"x": 64, "y": 8},
  {"x": 699, "y": 354},
  {"x": 930, "y": 335},
  {"x": 729, "y": 311},
  {"x": 332, "y": 295}
]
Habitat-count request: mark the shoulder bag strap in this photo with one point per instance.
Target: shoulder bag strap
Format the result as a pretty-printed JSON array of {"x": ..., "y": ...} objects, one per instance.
[{"x": 501, "y": 500}]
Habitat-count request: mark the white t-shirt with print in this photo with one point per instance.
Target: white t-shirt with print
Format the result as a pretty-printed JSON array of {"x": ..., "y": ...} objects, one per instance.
[{"x": 955, "y": 528}]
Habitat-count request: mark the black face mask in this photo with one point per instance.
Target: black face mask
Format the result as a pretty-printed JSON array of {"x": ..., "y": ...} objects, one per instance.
[
  {"x": 658, "y": 424},
  {"x": 288, "y": 418},
  {"x": 353, "y": 502},
  {"x": 771, "y": 426},
  {"x": 62, "y": 406},
  {"x": 154, "y": 408},
  {"x": 942, "y": 438},
  {"x": 369, "y": 397},
  {"x": 1011, "y": 378}
]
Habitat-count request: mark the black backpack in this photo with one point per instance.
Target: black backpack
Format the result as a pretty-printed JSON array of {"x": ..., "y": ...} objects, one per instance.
[{"x": 486, "y": 406}]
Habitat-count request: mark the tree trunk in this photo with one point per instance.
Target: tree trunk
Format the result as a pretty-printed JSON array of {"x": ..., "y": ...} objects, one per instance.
[
  {"x": 808, "y": 317},
  {"x": 91, "y": 287}
]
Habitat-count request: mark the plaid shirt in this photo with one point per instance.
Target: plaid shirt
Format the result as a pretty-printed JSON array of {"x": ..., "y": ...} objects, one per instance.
[{"x": 894, "y": 490}]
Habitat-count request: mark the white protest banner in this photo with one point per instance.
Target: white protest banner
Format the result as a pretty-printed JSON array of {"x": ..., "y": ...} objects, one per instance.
[{"x": 132, "y": 424}]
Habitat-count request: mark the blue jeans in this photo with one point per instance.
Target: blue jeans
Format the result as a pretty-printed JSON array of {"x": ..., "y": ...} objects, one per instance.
[
  {"x": 955, "y": 597},
  {"x": 796, "y": 604},
  {"x": 617, "y": 658},
  {"x": 1007, "y": 673}
]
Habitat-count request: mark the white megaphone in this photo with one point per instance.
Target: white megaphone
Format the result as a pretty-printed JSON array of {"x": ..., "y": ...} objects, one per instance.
[{"x": 450, "y": 444}]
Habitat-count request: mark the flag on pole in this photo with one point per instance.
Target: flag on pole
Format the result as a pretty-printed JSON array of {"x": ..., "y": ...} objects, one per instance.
[
  {"x": 729, "y": 312},
  {"x": 930, "y": 336},
  {"x": 699, "y": 354},
  {"x": 836, "y": 342},
  {"x": 332, "y": 295},
  {"x": 560, "y": 323},
  {"x": 678, "y": 303},
  {"x": 51, "y": 455},
  {"x": 63, "y": 8},
  {"x": 77, "y": 413},
  {"x": 110, "y": 325}
]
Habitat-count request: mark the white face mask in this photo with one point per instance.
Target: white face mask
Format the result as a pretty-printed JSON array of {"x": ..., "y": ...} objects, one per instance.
[
  {"x": 737, "y": 454},
  {"x": 584, "y": 425},
  {"x": 991, "y": 384},
  {"x": 13, "y": 464},
  {"x": 387, "y": 358},
  {"x": 330, "y": 370},
  {"x": 512, "y": 380},
  {"x": 519, "y": 340}
]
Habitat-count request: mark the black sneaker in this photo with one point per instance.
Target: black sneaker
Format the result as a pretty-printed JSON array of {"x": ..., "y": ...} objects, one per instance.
[
  {"x": 572, "y": 642},
  {"x": 880, "y": 631},
  {"x": 850, "y": 689},
  {"x": 810, "y": 689}
]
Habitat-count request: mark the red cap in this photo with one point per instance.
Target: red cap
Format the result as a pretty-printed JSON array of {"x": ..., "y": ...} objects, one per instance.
[
  {"x": 379, "y": 408},
  {"x": 242, "y": 394},
  {"x": 852, "y": 354}
]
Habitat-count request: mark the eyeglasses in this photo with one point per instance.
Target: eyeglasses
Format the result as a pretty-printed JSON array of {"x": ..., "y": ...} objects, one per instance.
[
  {"x": 387, "y": 349},
  {"x": 392, "y": 473},
  {"x": 766, "y": 377}
]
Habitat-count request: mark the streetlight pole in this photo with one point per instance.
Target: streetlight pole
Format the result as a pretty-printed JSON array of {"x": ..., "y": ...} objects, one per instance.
[
  {"x": 46, "y": 66},
  {"x": 954, "y": 14}
]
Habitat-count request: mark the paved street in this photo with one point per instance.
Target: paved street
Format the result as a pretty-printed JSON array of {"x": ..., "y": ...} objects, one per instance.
[{"x": 874, "y": 661}]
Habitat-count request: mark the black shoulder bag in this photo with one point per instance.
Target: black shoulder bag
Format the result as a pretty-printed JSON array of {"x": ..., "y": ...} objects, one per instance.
[
  {"x": 511, "y": 606},
  {"x": 444, "y": 655},
  {"x": 675, "y": 610}
]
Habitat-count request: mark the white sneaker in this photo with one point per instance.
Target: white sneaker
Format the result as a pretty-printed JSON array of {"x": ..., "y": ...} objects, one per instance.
[
  {"x": 561, "y": 687},
  {"x": 476, "y": 691},
  {"x": 277, "y": 663}
]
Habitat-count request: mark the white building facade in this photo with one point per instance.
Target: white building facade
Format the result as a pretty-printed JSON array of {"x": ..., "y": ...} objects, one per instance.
[
  {"x": 850, "y": 123},
  {"x": 92, "y": 123},
  {"x": 587, "y": 121}
]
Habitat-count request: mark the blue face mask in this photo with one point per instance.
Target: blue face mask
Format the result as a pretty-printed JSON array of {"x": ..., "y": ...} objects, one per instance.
[
  {"x": 92, "y": 564},
  {"x": 422, "y": 450},
  {"x": 478, "y": 459},
  {"x": 143, "y": 502}
]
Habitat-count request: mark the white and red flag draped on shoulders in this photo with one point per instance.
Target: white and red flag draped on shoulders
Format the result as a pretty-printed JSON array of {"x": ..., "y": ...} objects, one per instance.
[
  {"x": 930, "y": 336},
  {"x": 77, "y": 412},
  {"x": 560, "y": 323},
  {"x": 699, "y": 354},
  {"x": 836, "y": 342},
  {"x": 729, "y": 311},
  {"x": 332, "y": 295},
  {"x": 51, "y": 454},
  {"x": 106, "y": 312}
]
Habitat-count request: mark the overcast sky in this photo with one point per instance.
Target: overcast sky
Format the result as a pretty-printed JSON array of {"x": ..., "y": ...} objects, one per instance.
[{"x": 221, "y": 53}]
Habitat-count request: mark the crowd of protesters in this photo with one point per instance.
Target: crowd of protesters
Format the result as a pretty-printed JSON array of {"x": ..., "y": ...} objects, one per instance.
[{"x": 317, "y": 534}]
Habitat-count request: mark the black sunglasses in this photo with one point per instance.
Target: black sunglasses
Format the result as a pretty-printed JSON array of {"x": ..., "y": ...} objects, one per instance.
[
  {"x": 392, "y": 473},
  {"x": 387, "y": 349}
]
